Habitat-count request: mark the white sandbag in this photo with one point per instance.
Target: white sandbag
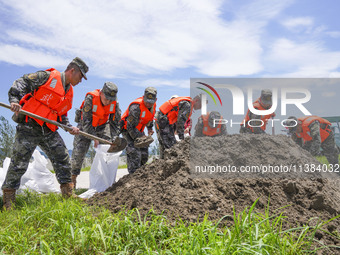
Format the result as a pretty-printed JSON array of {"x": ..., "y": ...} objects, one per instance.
[
  {"x": 177, "y": 137},
  {"x": 87, "y": 194},
  {"x": 38, "y": 177},
  {"x": 3, "y": 172},
  {"x": 103, "y": 170}
]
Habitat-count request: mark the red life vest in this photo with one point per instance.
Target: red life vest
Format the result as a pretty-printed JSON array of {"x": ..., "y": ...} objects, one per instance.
[
  {"x": 306, "y": 121},
  {"x": 264, "y": 118},
  {"x": 170, "y": 108},
  {"x": 145, "y": 115},
  {"x": 49, "y": 100},
  {"x": 100, "y": 113},
  {"x": 210, "y": 131}
]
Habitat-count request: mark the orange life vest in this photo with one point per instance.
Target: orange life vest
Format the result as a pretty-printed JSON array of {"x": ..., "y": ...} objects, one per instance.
[
  {"x": 49, "y": 100},
  {"x": 210, "y": 131},
  {"x": 170, "y": 108},
  {"x": 306, "y": 121},
  {"x": 145, "y": 114},
  {"x": 264, "y": 118},
  {"x": 100, "y": 113}
]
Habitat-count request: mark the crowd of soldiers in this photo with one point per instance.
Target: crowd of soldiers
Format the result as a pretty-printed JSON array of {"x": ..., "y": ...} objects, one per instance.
[{"x": 49, "y": 94}]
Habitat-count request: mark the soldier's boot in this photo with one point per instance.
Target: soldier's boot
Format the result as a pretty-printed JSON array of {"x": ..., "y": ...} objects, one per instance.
[
  {"x": 67, "y": 190},
  {"x": 74, "y": 180},
  {"x": 8, "y": 198}
]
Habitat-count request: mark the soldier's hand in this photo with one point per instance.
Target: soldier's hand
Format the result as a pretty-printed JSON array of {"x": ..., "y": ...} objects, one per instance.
[
  {"x": 150, "y": 132},
  {"x": 96, "y": 143},
  {"x": 74, "y": 131},
  {"x": 15, "y": 107}
]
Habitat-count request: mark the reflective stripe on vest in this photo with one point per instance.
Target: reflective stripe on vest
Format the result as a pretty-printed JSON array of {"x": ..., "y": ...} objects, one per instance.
[
  {"x": 145, "y": 115},
  {"x": 210, "y": 131},
  {"x": 49, "y": 100},
  {"x": 170, "y": 108}
]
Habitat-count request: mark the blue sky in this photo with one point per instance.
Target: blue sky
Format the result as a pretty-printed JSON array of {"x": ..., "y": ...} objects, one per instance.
[{"x": 165, "y": 43}]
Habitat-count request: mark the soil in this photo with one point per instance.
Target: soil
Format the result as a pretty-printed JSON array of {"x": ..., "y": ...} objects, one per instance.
[{"x": 169, "y": 184}]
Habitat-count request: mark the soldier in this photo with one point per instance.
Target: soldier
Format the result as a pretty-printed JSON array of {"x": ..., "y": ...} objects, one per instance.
[
  {"x": 139, "y": 115},
  {"x": 48, "y": 94},
  {"x": 171, "y": 117},
  {"x": 256, "y": 124},
  {"x": 99, "y": 115},
  {"x": 209, "y": 125},
  {"x": 313, "y": 133}
]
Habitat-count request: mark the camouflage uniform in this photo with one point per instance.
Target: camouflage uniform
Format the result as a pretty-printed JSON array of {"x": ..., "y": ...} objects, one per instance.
[
  {"x": 328, "y": 145},
  {"x": 107, "y": 131},
  {"x": 213, "y": 115},
  {"x": 166, "y": 132},
  {"x": 30, "y": 134},
  {"x": 136, "y": 157}
]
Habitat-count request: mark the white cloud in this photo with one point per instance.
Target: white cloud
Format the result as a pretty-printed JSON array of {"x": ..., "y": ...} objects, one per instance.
[
  {"x": 162, "y": 83},
  {"x": 333, "y": 34},
  {"x": 292, "y": 23},
  {"x": 123, "y": 38},
  {"x": 329, "y": 94},
  {"x": 17, "y": 55},
  {"x": 308, "y": 59}
]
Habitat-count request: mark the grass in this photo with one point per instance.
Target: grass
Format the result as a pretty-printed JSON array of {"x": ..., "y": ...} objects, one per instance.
[
  {"x": 47, "y": 224},
  {"x": 88, "y": 168},
  {"x": 323, "y": 159}
]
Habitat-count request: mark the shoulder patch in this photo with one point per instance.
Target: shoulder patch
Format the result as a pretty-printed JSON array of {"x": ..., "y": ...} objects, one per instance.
[
  {"x": 32, "y": 76},
  {"x": 87, "y": 108},
  {"x": 130, "y": 118}
]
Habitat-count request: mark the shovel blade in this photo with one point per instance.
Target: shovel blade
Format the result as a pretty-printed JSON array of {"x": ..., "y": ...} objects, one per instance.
[
  {"x": 118, "y": 144},
  {"x": 143, "y": 142}
]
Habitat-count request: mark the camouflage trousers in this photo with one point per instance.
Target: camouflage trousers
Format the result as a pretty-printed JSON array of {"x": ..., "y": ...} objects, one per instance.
[
  {"x": 27, "y": 138},
  {"x": 136, "y": 157},
  {"x": 81, "y": 146},
  {"x": 165, "y": 133},
  {"x": 329, "y": 149}
]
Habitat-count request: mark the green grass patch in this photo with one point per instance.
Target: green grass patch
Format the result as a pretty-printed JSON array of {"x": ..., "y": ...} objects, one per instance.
[
  {"x": 86, "y": 169},
  {"x": 323, "y": 159},
  {"x": 48, "y": 224}
]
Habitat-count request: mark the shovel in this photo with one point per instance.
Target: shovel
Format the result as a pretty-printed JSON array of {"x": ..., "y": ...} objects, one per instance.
[{"x": 118, "y": 144}]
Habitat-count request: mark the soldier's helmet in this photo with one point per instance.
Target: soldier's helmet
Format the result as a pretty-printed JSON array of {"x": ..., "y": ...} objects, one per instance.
[
  {"x": 266, "y": 98},
  {"x": 291, "y": 124},
  {"x": 110, "y": 91},
  {"x": 213, "y": 116}
]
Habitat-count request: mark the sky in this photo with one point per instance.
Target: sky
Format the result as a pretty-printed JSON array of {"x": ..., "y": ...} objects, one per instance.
[{"x": 136, "y": 44}]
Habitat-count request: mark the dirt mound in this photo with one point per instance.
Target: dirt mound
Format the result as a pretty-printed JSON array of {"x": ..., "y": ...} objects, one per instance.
[{"x": 167, "y": 185}]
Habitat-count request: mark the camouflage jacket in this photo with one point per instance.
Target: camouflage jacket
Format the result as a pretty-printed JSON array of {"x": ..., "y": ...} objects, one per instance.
[
  {"x": 314, "y": 145},
  {"x": 31, "y": 82},
  {"x": 86, "y": 123},
  {"x": 199, "y": 128},
  {"x": 133, "y": 120}
]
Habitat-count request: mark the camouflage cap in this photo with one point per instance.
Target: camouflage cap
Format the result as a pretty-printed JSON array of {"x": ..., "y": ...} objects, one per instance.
[
  {"x": 213, "y": 116},
  {"x": 110, "y": 91},
  {"x": 291, "y": 124},
  {"x": 150, "y": 95},
  {"x": 266, "y": 97},
  {"x": 82, "y": 66}
]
